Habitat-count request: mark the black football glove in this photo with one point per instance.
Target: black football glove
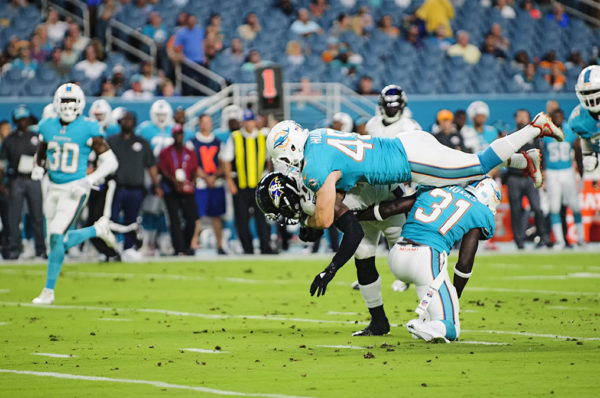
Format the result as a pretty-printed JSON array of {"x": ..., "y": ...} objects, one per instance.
[
  {"x": 320, "y": 282},
  {"x": 308, "y": 234}
]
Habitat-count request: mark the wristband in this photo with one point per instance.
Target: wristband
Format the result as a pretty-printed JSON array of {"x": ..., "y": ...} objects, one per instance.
[
  {"x": 376, "y": 213},
  {"x": 462, "y": 274}
]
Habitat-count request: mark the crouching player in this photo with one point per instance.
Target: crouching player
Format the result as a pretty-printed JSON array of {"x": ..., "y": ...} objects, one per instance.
[
  {"x": 65, "y": 144},
  {"x": 439, "y": 218}
]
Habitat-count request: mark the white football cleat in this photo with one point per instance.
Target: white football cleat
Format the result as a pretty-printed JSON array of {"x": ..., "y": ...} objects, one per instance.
[
  {"x": 547, "y": 128},
  {"x": 533, "y": 169},
  {"x": 131, "y": 255},
  {"x": 425, "y": 332},
  {"x": 400, "y": 286},
  {"x": 103, "y": 232},
  {"x": 46, "y": 297}
]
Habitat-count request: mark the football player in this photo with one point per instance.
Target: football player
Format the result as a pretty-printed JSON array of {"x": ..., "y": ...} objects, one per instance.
[
  {"x": 585, "y": 118},
  {"x": 101, "y": 111},
  {"x": 65, "y": 145},
  {"x": 438, "y": 219},
  {"x": 332, "y": 161},
  {"x": 561, "y": 183},
  {"x": 393, "y": 115}
]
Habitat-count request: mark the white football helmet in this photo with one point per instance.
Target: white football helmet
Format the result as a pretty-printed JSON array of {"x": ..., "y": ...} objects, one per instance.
[
  {"x": 285, "y": 142},
  {"x": 49, "y": 112},
  {"x": 161, "y": 113},
  {"x": 100, "y": 112},
  {"x": 69, "y": 102},
  {"x": 487, "y": 192},
  {"x": 345, "y": 120},
  {"x": 117, "y": 114},
  {"x": 478, "y": 108},
  {"x": 588, "y": 88}
]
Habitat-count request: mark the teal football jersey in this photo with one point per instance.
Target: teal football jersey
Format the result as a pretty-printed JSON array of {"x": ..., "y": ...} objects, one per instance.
[
  {"x": 69, "y": 147},
  {"x": 159, "y": 138},
  {"x": 558, "y": 154},
  {"x": 442, "y": 216},
  {"x": 360, "y": 158},
  {"x": 583, "y": 123}
]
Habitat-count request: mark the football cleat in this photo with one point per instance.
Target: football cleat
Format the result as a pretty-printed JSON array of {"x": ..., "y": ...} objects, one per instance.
[
  {"x": 375, "y": 328},
  {"x": 46, "y": 297},
  {"x": 400, "y": 286},
  {"x": 533, "y": 169},
  {"x": 355, "y": 285},
  {"x": 103, "y": 232},
  {"x": 547, "y": 128},
  {"x": 422, "y": 330}
]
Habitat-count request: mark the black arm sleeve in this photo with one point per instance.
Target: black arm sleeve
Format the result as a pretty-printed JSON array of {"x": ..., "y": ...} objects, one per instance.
[
  {"x": 466, "y": 257},
  {"x": 353, "y": 234},
  {"x": 389, "y": 208}
]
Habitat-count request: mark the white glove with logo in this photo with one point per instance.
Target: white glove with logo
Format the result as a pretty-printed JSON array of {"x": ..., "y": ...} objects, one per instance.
[
  {"x": 590, "y": 162},
  {"x": 307, "y": 200},
  {"x": 37, "y": 173},
  {"x": 81, "y": 187}
]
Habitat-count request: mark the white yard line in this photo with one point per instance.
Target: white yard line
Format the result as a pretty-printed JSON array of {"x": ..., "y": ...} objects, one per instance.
[
  {"x": 160, "y": 384},
  {"x": 480, "y": 342},
  {"x": 115, "y": 319},
  {"x": 505, "y": 290},
  {"x": 350, "y": 347},
  {"x": 4, "y": 323},
  {"x": 4, "y": 291},
  {"x": 49, "y": 354},
  {"x": 342, "y": 313},
  {"x": 262, "y": 318},
  {"x": 574, "y": 308},
  {"x": 575, "y": 275},
  {"x": 204, "y": 351}
]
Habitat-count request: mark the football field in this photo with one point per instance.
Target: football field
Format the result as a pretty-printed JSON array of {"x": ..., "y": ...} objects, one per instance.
[{"x": 248, "y": 327}]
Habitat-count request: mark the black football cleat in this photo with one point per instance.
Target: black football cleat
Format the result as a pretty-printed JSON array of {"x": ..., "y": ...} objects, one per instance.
[{"x": 380, "y": 327}]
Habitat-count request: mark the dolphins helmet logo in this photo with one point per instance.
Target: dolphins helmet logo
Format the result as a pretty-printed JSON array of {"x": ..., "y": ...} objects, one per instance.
[{"x": 281, "y": 139}]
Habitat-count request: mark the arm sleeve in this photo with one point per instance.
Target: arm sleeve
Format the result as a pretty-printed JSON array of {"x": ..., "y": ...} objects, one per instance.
[{"x": 353, "y": 234}]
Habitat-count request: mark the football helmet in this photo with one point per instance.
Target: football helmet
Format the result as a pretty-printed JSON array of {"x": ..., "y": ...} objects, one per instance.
[
  {"x": 100, "y": 112},
  {"x": 392, "y": 101},
  {"x": 285, "y": 142},
  {"x": 69, "y": 102},
  {"x": 49, "y": 112},
  {"x": 345, "y": 120},
  {"x": 588, "y": 88},
  {"x": 487, "y": 192},
  {"x": 278, "y": 198},
  {"x": 161, "y": 113},
  {"x": 478, "y": 108},
  {"x": 118, "y": 113}
]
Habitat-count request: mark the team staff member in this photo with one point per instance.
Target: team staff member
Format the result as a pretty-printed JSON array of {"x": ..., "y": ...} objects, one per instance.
[
  {"x": 135, "y": 155},
  {"x": 245, "y": 158},
  {"x": 178, "y": 167},
  {"x": 17, "y": 155},
  {"x": 4, "y": 132}
]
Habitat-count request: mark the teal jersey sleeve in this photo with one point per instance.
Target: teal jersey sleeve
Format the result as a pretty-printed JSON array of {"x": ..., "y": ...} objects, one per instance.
[
  {"x": 583, "y": 123},
  {"x": 442, "y": 216},
  {"x": 68, "y": 147},
  {"x": 360, "y": 158},
  {"x": 112, "y": 129}
]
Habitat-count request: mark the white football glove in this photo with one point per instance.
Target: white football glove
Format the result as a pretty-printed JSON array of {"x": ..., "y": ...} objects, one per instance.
[
  {"x": 81, "y": 187},
  {"x": 307, "y": 201},
  {"x": 590, "y": 162},
  {"x": 37, "y": 173}
]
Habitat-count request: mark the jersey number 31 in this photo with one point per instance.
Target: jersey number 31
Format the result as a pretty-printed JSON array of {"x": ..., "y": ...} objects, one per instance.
[{"x": 437, "y": 209}]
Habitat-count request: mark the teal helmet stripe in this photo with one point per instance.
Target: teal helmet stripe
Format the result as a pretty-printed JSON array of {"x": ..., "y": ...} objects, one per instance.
[{"x": 586, "y": 76}]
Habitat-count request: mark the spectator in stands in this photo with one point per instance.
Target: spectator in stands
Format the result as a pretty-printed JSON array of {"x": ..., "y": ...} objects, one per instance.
[
  {"x": 12, "y": 9},
  {"x": 178, "y": 166},
  {"x": 55, "y": 63},
  {"x": 556, "y": 78},
  {"x": 294, "y": 55},
  {"x": 489, "y": 47},
  {"x": 342, "y": 25},
  {"x": 91, "y": 66},
  {"x": 574, "y": 60},
  {"x": 435, "y": 13},
  {"x": 68, "y": 56},
  {"x": 386, "y": 25},
  {"x": 156, "y": 29},
  {"x": 505, "y": 10},
  {"x": 251, "y": 28},
  {"x": 212, "y": 46},
  {"x": 520, "y": 60},
  {"x": 23, "y": 62},
  {"x": 215, "y": 24},
  {"x": 332, "y": 50},
  {"x": 446, "y": 132},
  {"x": 346, "y": 60},
  {"x": 12, "y": 48},
  {"x": 42, "y": 31},
  {"x": 56, "y": 28},
  {"x": 440, "y": 39},
  {"x": 460, "y": 120},
  {"x": 118, "y": 78},
  {"x": 526, "y": 78},
  {"x": 413, "y": 37},
  {"x": 365, "y": 86},
  {"x": 558, "y": 15},
  {"x": 318, "y": 8},
  {"x": 519, "y": 186},
  {"x": 136, "y": 92},
  {"x": 38, "y": 53},
  {"x": 210, "y": 185},
  {"x": 550, "y": 60},
  {"x": 530, "y": 7},
  {"x": 242, "y": 177},
  {"x": 235, "y": 51},
  {"x": 478, "y": 135},
  {"x": 107, "y": 89},
  {"x": 108, "y": 9},
  {"x": 166, "y": 88},
  {"x": 463, "y": 48},
  {"x": 360, "y": 125},
  {"x": 253, "y": 61},
  {"x": 362, "y": 22},
  {"x": 303, "y": 26},
  {"x": 501, "y": 41},
  {"x": 79, "y": 42},
  {"x": 149, "y": 80},
  {"x": 306, "y": 88},
  {"x": 286, "y": 6},
  {"x": 189, "y": 41}
]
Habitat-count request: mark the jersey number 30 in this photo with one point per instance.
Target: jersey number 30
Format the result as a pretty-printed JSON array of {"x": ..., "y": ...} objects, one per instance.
[
  {"x": 437, "y": 208},
  {"x": 64, "y": 158}
]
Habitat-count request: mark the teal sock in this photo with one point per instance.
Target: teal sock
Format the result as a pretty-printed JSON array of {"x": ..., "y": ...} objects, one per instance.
[
  {"x": 55, "y": 259},
  {"x": 78, "y": 236}
]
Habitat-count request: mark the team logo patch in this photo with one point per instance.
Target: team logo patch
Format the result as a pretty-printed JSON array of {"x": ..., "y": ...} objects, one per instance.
[
  {"x": 275, "y": 191},
  {"x": 35, "y": 140},
  {"x": 137, "y": 146},
  {"x": 312, "y": 182},
  {"x": 281, "y": 139}
]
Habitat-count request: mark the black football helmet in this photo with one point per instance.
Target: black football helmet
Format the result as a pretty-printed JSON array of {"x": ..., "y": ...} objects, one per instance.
[
  {"x": 392, "y": 101},
  {"x": 278, "y": 198}
]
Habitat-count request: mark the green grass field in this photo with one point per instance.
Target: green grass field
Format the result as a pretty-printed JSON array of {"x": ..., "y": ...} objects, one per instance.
[{"x": 530, "y": 328}]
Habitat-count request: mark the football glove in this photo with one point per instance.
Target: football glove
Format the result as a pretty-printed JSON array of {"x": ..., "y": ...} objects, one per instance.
[
  {"x": 81, "y": 186},
  {"x": 307, "y": 201},
  {"x": 320, "y": 282},
  {"x": 37, "y": 173},
  {"x": 590, "y": 162},
  {"x": 308, "y": 234}
]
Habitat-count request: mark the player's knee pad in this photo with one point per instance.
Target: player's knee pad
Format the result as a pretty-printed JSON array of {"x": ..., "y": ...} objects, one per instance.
[{"x": 366, "y": 271}]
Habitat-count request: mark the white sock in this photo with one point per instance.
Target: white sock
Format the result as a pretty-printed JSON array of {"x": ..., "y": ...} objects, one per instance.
[
  {"x": 372, "y": 293},
  {"x": 517, "y": 161},
  {"x": 558, "y": 234},
  {"x": 506, "y": 146}
]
